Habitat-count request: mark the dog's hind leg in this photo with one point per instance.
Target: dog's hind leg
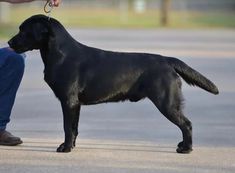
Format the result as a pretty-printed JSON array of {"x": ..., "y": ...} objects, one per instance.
[
  {"x": 167, "y": 98},
  {"x": 70, "y": 117}
]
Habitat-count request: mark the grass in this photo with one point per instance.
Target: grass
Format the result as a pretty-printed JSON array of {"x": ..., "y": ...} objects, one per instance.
[
  {"x": 215, "y": 19},
  {"x": 7, "y": 30},
  {"x": 112, "y": 18}
]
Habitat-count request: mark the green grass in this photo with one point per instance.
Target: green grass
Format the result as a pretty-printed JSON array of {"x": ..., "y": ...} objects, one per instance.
[
  {"x": 216, "y": 19},
  {"x": 7, "y": 30},
  {"x": 111, "y": 18},
  {"x": 92, "y": 18}
]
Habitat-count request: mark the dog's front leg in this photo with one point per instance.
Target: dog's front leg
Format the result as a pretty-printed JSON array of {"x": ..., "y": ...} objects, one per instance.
[{"x": 70, "y": 113}]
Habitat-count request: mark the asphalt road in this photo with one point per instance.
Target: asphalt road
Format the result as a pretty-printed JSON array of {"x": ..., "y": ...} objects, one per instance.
[{"x": 131, "y": 137}]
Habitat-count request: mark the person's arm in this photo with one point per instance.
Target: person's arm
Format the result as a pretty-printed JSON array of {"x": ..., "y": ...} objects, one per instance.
[
  {"x": 16, "y": 1},
  {"x": 55, "y": 2}
]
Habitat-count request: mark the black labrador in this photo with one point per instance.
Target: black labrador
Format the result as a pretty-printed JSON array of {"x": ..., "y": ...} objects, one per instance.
[{"x": 82, "y": 75}]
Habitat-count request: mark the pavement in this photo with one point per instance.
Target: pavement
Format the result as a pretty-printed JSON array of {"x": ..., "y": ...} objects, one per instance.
[{"x": 131, "y": 137}]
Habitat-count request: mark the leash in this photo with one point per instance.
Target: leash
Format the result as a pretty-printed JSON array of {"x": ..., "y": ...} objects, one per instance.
[{"x": 48, "y": 7}]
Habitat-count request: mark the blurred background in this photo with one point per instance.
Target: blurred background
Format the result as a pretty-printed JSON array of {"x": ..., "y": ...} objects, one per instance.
[{"x": 127, "y": 14}]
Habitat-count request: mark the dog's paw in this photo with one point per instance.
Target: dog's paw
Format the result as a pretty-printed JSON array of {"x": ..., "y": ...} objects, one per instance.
[
  {"x": 64, "y": 149},
  {"x": 183, "y": 149}
]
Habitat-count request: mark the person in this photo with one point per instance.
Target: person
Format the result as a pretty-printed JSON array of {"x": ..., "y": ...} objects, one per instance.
[{"x": 11, "y": 73}]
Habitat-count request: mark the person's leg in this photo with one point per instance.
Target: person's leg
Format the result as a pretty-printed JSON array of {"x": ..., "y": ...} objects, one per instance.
[{"x": 11, "y": 72}]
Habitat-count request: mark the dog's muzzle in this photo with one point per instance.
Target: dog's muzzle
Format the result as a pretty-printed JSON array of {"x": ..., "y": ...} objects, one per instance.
[{"x": 16, "y": 46}]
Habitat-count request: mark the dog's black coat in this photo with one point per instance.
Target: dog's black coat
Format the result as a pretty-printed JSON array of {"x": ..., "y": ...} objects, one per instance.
[{"x": 82, "y": 75}]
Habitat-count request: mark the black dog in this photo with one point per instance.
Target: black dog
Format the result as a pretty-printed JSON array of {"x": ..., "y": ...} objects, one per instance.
[{"x": 82, "y": 75}]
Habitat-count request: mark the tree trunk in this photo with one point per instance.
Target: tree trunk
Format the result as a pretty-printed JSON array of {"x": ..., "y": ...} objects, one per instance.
[{"x": 165, "y": 8}]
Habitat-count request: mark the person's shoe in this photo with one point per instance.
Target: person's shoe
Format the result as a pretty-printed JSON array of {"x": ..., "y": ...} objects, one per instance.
[{"x": 6, "y": 138}]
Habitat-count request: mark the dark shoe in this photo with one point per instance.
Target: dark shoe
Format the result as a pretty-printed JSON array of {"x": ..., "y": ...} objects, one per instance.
[{"x": 6, "y": 138}]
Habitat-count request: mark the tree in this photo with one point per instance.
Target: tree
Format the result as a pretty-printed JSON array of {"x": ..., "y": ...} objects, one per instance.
[
  {"x": 165, "y": 8},
  {"x": 130, "y": 4}
]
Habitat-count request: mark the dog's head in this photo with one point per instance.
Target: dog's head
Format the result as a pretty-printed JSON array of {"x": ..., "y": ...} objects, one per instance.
[{"x": 33, "y": 34}]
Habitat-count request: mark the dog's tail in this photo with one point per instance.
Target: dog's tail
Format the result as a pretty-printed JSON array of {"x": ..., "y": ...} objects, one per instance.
[{"x": 191, "y": 76}]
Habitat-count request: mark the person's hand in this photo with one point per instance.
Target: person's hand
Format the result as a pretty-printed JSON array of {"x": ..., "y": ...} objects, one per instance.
[{"x": 55, "y": 3}]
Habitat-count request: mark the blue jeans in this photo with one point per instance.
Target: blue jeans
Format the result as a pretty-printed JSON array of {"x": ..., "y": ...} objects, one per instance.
[{"x": 11, "y": 73}]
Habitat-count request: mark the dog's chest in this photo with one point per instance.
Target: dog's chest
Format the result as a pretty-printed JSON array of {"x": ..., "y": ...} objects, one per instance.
[{"x": 53, "y": 77}]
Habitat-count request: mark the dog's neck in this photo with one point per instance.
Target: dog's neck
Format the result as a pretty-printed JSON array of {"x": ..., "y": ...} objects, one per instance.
[
  {"x": 53, "y": 50},
  {"x": 58, "y": 45}
]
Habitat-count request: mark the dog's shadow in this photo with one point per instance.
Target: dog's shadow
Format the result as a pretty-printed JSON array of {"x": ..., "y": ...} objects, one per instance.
[{"x": 50, "y": 147}]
